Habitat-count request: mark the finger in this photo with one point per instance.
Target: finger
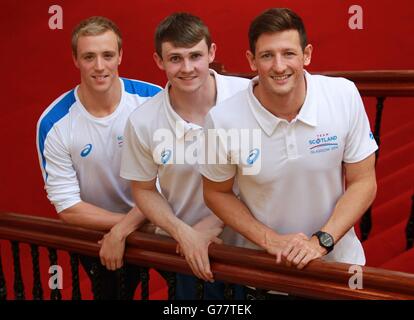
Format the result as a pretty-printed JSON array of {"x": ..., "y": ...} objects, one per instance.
[
  {"x": 286, "y": 251},
  {"x": 177, "y": 249},
  {"x": 100, "y": 242},
  {"x": 299, "y": 257},
  {"x": 278, "y": 257},
  {"x": 112, "y": 265},
  {"x": 308, "y": 258},
  {"x": 292, "y": 255},
  {"x": 205, "y": 266},
  {"x": 217, "y": 240}
]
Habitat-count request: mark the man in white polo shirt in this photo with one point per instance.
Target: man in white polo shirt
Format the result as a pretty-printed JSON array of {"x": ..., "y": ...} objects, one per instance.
[
  {"x": 161, "y": 140},
  {"x": 315, "y": 140}
]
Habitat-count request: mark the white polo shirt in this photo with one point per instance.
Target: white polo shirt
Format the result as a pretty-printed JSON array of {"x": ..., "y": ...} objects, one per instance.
[
  {"x": 300, "y": 177},
  {"x": 158, "y": 142}
]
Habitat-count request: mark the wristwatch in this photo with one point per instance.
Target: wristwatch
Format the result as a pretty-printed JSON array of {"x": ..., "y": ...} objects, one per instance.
[{"x": 325, "y": 240}]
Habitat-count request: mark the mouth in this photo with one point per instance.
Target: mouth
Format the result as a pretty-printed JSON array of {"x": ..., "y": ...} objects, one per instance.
[
  {"x": 100, "y": 78},
  {"x": 281, "y": 78},
  {"x": 187, "y": 78}
]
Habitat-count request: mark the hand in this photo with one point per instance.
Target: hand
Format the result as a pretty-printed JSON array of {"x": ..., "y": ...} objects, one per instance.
[
  {"x": 295, "y": 249},
  {"x": 193, "y": 245},
  {"x": 112, "y": 251}
]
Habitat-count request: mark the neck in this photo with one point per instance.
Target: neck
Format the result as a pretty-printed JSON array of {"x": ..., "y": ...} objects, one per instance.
[
  {"x": 194, "y": 106},
  {"x": 282, "y": 106},
  {"x": 100, "y": 104}
]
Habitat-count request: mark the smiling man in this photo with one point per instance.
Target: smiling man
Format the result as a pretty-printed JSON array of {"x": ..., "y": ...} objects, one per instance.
[
  {"x": 184, "y": 51},
  {"x": 80, "y": 139},
  {"x": 315, "y": 140}
]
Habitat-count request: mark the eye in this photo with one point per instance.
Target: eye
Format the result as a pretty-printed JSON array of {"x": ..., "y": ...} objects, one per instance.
[
  {"x": 175, "y": 59},
  {"x": 88, "y": 57},
  {"x": 108, "y": 56},
  {"x": 266, "y": 55},
  {"x": 290, "y": 53},
  {"x": 195, "y": 56}
]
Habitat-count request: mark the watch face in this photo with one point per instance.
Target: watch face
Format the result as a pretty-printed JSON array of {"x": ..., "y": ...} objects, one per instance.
[{"x": 326, "y": 239}]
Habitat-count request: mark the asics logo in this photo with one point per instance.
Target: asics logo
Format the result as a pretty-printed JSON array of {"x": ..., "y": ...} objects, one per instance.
[
  {"x": 253, "y": 155},
  {"x": 86, "y": 150},
  {"x": 165, "y": 156}
]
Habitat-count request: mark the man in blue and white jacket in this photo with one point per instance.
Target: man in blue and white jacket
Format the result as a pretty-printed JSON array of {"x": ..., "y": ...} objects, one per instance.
[{"x": 80, "y": 138}]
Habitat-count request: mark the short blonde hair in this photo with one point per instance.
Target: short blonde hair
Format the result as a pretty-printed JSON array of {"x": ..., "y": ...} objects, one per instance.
[{"x": 94, "y": 26}]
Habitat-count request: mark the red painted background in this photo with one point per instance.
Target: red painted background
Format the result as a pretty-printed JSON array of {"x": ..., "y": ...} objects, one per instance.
[{"x": 36, "y": 62}]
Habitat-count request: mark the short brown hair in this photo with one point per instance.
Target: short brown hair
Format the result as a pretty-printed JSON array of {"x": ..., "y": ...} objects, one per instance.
[
  {"x": 94, "y": 26},
  {"x": 183, "y": 30},
  {"x": 276, "y": 20}
]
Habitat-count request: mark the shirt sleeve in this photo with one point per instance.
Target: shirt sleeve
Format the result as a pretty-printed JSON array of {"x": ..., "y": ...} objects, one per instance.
[
  {"x": 61, "y": 182},
  {"x": 217, "y": 166},
  {"x": 360, "y": 142},
  {"x": 137, "y": 161}
]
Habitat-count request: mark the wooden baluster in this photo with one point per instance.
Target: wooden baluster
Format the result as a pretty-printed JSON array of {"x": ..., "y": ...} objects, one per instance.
[
  {"x": 144, "y": 276},
  {"x": 121, "y": 286},
  {"x": 37, "y": 290},
  {"x": 74, "y": 265},
  {"x": 228, "y": 291},
  {"x": 171, "y": 283},
  {"x": 3, "y": 289},
  {"x": 54, "y": 293},
  {"x": 409, "y": 230},
  {"x": 200, "y": 289},
  {"x": 366, "y": 220},
  {"x": 96, "y": 281},
  {"x": 18, "y": 281}
]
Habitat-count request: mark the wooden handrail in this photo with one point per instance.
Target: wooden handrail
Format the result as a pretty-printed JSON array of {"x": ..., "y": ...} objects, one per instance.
[
  {"x": 371, "y": 83},
  {"x": 320, "y": 279}
]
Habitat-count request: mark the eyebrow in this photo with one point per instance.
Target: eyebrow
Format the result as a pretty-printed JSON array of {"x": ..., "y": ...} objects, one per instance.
[{"x": 189, "y": 53}]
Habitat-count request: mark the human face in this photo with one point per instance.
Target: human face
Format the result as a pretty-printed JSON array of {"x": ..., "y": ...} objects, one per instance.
[
  {"x": 279, "y": 61},
  {"x": 98, "y": 58},
  {"x": 187, "y": 69}
]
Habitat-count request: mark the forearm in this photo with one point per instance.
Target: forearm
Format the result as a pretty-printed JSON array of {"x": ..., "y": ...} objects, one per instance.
[
  {"x": 86, "y": 215},
  {"x": 350, "y": 207},
  {"x": 233, "y": 212},
  {"x": 132, "y": 221},
  {"x": 157, "y": 209}
]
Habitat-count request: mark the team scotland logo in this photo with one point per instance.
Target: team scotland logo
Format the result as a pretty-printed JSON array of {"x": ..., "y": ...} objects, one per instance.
[
  {"x": 86, "y": 150},
  {"x": 323, "y": 142}
]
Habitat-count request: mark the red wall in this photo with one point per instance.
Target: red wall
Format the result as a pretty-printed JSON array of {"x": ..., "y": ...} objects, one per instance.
[{"x": 37, "y": 66}]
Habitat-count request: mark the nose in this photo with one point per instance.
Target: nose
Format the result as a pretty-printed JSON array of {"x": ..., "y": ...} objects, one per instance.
[
  {"x": 99, "y": 63},
  {"x": 187, "y": 66},
  {"x": 279, "y": 65}
]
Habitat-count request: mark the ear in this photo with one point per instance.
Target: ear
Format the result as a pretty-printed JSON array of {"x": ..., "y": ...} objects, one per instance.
[
  {"x": 212, "y": 53},
  {"x": 307, "y": 55},
  {"x": 75, "y": 61},
  {"x": 121, "y": 52},
  {"x": 252, "y": 61},
  {"x": 158, "y": 61}
]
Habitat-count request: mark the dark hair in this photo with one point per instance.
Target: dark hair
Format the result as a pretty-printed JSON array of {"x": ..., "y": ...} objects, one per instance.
[
  {"x": 94, "y": 26},
  {"x": 276, "y": 20},
  {"x": 183, "y": 30}
]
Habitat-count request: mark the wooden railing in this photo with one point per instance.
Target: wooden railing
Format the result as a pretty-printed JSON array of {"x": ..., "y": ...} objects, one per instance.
[
  {"x": 319, "y": 280},
  {"x": 380, "y": 84}
]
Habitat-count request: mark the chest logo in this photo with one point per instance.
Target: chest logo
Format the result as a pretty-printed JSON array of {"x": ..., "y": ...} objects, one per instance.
[
  {"x": 165, "y": 156},
  {"x": 86, "y": 150},
  {"x": 323, "y": 142},
  {"x": 253, "y": 155}
]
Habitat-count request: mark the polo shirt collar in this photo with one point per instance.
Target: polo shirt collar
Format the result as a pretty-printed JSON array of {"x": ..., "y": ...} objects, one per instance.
[
  {"x": 178, "y": 125},
  {"x": 268, "y": 121}
]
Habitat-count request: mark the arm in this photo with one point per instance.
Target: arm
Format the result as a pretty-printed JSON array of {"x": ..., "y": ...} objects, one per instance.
[
  {"x": 361, "y": 188},
  {"x": 193, "y": 243},
  {"x": 220, "y": 198},
  {"x": 359, "y": 194},
  {"x": 113, "y": 243},
  {"x": 86, "y": 215}
]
